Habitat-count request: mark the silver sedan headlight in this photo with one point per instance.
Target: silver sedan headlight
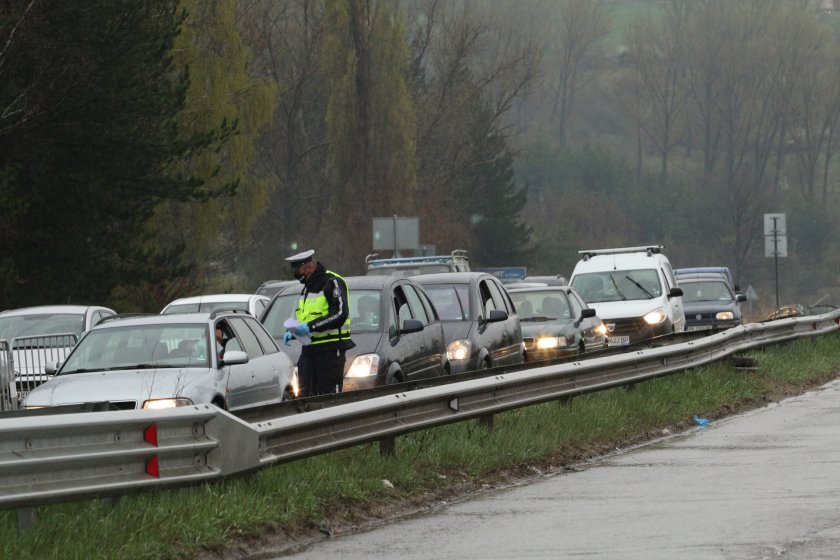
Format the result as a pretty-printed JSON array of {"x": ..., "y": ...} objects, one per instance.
[{"x": 166, "y": 403}]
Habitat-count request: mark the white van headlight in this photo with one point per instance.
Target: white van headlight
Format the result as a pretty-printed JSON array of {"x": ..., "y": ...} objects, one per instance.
[{"x": 655, "y": 317}]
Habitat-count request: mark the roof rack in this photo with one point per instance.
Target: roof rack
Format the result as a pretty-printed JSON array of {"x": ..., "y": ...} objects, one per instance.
[{"x": 649, "y": 249}]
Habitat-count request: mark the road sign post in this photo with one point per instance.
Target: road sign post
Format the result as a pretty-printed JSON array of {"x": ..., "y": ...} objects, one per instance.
[{"x": 775, "y": 243}]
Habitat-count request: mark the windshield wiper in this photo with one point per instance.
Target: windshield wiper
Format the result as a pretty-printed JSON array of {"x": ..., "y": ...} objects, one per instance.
[
  {"x": 618, "y": 291},
  {"x": 80, "y": 370},
  {"x": 649, "y": 295}
]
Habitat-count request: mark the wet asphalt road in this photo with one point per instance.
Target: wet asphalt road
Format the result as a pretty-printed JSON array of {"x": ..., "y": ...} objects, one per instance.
[{"x": 765, "y": 484}]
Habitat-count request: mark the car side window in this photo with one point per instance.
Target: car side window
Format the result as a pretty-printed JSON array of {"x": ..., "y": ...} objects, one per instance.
[
  {"x": 418, "y": 311},
  {"x": 266, "y": 342},
  {"x": 246, "y": 337},
  {"x": 670, "y": 279},
  {"x": 577, "y": 302},
  {"x": 401, "y": 306},
  {"x": 486, "y": 298},
  {"x": 499, "y": 300},
  {"x": 430, "y": 308},
  {"x": 576, "y": 306}
]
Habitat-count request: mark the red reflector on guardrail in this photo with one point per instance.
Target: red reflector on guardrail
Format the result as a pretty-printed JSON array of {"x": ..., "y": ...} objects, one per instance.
[
  {"x": 152, "y": 467},
  {"x": 150, "y": 435}
]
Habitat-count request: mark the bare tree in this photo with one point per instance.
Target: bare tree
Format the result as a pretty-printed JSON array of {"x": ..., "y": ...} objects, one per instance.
[{"x": 579, "y": 25}]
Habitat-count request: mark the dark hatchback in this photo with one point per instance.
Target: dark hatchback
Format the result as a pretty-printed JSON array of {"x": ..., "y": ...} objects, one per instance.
[
  {"x": 394, "y": 325},
  {"x": 556, "y": 322},
  {"x": 479, "y": 319},
  {"x": 708, "y": 302}
]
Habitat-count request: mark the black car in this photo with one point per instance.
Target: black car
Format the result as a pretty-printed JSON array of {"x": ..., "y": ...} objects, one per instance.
[
  {"x": 708, "y": 302},
  {"x": 556, "y": 322},
  {"x": 397, "y": 332},
  {"x": 479, "y": 319}
]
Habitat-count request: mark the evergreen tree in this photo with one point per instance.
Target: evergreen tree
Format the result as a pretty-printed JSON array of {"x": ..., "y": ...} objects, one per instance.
[{"x": 101, "y": 145}]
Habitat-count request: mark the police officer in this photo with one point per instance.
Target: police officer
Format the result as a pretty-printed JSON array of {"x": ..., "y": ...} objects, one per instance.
[{"x": 324, "y": 316}]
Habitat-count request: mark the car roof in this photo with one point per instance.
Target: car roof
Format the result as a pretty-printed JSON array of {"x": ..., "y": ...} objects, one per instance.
[
  {"x": 619, "y": 261},
  {"x": 702, "y": 276},
  {"x": 45, "y": 309},
  {"x": 155, "y": 319},
  {"x": 537, "y": 288},
  {"x": 449, "y": 277},
  {"x": 211, "y": 298},
  {"x": 354, "y": 283}
]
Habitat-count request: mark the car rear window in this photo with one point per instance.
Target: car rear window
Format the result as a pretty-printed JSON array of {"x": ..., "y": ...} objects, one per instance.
[{"x": 452, "y": 301}]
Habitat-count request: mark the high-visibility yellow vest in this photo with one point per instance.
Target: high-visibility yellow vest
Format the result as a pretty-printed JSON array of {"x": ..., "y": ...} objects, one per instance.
[{"x": 313, "y": 306}]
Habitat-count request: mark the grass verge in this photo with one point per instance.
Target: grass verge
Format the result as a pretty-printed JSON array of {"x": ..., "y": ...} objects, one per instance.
[{"x": 288, "y": 504}]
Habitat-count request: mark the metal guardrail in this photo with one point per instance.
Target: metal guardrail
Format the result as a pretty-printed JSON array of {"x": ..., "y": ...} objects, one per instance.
[
  {"x": 53, "y": 458},
  {"x": 8, "y": 390},
  {"x": 31, "y": 354}
]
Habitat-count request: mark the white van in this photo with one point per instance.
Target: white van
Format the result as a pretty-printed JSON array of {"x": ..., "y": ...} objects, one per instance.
[{"x": 633, "y": 291}]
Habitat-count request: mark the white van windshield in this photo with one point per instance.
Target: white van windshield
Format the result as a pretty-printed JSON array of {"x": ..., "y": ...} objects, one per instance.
[{"x": 618, "y": 285}]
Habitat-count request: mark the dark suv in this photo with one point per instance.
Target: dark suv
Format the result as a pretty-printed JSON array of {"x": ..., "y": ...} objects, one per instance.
[{"x": 479, "y": 319}]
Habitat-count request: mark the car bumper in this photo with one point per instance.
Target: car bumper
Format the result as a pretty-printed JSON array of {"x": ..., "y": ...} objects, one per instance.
[{"x": 624, "y": 331}]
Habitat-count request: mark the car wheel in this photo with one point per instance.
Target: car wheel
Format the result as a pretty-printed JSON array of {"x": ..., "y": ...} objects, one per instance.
[
  {"x": 287, "y": 395},
  {"x": 581, "y": 348},
  {"x": 394, "y": 379},
  {"x": 218, "y": 401},
  {"x": 485, "y": 364}
]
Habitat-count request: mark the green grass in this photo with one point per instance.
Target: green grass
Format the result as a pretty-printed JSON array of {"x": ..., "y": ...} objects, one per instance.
[{"x": 324, "y": 489}]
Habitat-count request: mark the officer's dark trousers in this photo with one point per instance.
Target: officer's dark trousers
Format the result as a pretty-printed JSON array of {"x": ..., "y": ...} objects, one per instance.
[{"x": 321, "y": 372}]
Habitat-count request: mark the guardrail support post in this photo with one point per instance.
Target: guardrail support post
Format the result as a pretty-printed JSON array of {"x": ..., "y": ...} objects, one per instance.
[
  {"x": 387, "y": 447},
  {"x": 486, "y": 421},
  {"x": 27, "y": 518},
  {"x": 630, "y": 387},
  {"x": 566, "y": 401}
]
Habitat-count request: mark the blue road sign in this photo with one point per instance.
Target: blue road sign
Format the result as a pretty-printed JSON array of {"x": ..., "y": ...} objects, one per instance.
[{"x": 508, "y": 274}]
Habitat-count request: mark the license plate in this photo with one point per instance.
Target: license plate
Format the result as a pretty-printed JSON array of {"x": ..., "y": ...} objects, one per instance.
[
  {"x": 619, "y": 340},
  {"x": 698, "y": 327}
]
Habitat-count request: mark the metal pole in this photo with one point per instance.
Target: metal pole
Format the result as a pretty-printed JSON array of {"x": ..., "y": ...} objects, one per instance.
[
  {"x": 396, "y": 246},
  {"x": 776, "y": 257}
]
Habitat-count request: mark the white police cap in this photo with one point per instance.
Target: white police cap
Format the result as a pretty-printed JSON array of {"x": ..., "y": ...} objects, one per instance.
[{"x": 300, "y": 258}]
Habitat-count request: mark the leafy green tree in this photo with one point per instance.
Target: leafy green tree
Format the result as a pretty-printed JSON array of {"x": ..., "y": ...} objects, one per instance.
[
  {"x": 222, "y": 89},
  {"x": 100, "y": 148},
  {"x": 370, "y": 120}
]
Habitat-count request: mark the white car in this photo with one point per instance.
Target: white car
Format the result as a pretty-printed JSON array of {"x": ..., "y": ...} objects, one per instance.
[
  {"x": 633, "y": 290},
  {"x": 252, "y": 303},
  {"x": 159, "y": 361}
]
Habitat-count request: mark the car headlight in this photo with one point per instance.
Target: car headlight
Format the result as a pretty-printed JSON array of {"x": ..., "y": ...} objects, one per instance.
[
  {"x": 601, "y": 329},
  {"x": 725, "y": 316},
  {"x": 363, "y": 366},
  {"x": 655, "y": 317},
  {"x": 295, "y": 382},
  {"x": 459, "y": 349},
  {"x": 157, "y": 404},
  {"x": 551, "y": 342}
]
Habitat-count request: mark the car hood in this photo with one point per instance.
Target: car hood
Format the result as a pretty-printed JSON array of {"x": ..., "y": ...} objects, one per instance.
[
  {"x": 123, "y": 385},
  {"x": 546, "y": 328},
  {"x": 456, "y": 330},
  {"x": 623, "y": 309},
  {"x": 366, "y": 343}
]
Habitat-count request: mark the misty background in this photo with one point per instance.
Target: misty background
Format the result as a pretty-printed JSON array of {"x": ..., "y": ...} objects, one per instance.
[{"x": 159, "y": 148}]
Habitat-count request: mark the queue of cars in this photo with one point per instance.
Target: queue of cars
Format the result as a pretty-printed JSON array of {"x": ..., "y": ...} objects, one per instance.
[{"x": 405, "y": 326}]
